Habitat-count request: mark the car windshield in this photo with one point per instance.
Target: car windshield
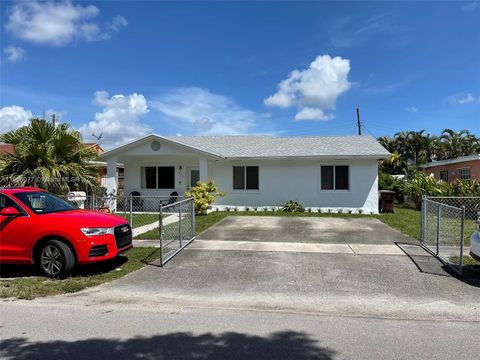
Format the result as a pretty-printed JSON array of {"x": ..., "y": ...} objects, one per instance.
[{"x": 43, "y": 203}]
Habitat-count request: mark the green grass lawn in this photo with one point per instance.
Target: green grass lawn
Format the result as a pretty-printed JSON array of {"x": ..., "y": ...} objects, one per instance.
[
  {"x": 140, "y": 219},
  {"x": 467, "y": 261},
  {"x": 25, "y": 282}
]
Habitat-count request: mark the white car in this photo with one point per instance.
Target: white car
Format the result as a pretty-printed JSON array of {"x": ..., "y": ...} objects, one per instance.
[{"x": 475, "y": 241}]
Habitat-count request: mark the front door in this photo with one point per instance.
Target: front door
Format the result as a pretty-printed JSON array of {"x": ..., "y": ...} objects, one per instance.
[{"x": 193, "y": 177}]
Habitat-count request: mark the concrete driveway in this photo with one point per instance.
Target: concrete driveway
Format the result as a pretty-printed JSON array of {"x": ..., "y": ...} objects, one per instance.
[
  {"x": 303, "y": 230},
  {"x": 302, "y": 234},
  {"x": 313, "y": 266}
]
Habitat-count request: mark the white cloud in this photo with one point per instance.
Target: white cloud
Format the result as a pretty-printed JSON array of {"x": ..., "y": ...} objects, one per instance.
[
  {"x": 13, "y": 117},
  {"x": 117, "y": 23},
  {"x": 470, "y": 7},
  {"x": 58, "y": 23},
  {"x": 308, "y": 113},
  {"x": 206, "y": 113},
  {"x": 412, "y": 109},
  {"x": 464, "y": 99},
  {"x": 119, "y": 120},
  {"x": 317, "y": 87},
  {"x": 14, "y": 53}
]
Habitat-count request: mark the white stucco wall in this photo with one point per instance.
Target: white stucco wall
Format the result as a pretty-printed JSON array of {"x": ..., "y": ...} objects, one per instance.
[
  {"x": 279, "y": 180},
  {"x": 283, "y": 180}
]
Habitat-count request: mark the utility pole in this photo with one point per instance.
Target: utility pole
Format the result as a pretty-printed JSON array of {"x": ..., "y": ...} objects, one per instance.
[
  {"x": 359, "y": 123},
  {"x": 54, "y": 120}
]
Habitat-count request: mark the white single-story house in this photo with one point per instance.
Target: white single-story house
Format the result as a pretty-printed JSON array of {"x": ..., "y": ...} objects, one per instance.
[{"x": 320, "y": 172}]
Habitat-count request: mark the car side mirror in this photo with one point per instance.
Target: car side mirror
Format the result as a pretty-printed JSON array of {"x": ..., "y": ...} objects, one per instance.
[{"x": 9, "y": 211}]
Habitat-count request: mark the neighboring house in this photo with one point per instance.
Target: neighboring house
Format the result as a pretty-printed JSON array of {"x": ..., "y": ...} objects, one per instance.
[
  {"x": 7, "y": 149},
  {"x": 464, "y": 167},
  {"x": 255, "y": 171},
  {"x": 103, "y": 168}
]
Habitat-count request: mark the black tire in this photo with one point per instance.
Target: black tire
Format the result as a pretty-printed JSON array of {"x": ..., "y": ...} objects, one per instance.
[{"x": 56, "y": 259}]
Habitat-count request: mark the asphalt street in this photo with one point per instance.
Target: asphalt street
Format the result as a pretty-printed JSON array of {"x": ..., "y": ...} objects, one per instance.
[{"x": 34, "y": 330}]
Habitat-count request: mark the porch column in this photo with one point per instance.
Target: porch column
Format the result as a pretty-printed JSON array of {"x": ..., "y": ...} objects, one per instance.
[
  {"x": 111, "y": 183},
  {"x": 203, "y": 166}
]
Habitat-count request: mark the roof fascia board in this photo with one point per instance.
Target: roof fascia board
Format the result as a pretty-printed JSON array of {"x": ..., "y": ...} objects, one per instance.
[
  {"x": 313, "y": 157},
  {"x": 452, "y": 161}
]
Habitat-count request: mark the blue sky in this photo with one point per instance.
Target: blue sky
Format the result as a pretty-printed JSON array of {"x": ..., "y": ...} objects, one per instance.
[{"x": 128, "y": 68}]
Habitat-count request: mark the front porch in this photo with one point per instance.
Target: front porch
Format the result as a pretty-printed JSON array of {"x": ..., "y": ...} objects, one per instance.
[{"x": 157, "y": 175}]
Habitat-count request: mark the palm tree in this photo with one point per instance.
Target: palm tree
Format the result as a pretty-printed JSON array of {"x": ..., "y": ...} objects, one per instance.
[
  {"x": 50, "y": 157},
  {"x": 387, "y": 142},
  {"x": 457, "y": 144},
  {"x": 395, "y": 164}
]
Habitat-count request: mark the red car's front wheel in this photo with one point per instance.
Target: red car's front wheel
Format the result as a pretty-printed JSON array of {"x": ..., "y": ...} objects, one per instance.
[{"x": 56, "y": 259}]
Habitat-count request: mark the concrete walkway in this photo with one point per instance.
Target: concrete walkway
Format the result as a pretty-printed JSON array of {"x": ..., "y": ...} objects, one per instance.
[{"x": 170, "y": 219}]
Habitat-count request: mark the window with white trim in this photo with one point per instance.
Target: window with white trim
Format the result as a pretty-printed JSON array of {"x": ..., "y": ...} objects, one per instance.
[
  {"x": 444, "y": 175},
  {"x": 334, "y": 177},
  {"x": 158, "y": 177},
  {"x": 464, "y": 173},
  {"x": 245, "y": 178}
]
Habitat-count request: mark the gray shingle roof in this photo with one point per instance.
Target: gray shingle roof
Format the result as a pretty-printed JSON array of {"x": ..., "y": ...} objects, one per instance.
[{"x": 254, "y": 146}]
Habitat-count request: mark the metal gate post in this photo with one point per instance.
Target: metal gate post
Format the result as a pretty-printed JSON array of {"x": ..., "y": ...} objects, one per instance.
[
  {"x": 462, "y": 225},
  {"x": 131, "y": 211},
  {"x": 192, "y": 214},
  {"x": 180, "y": 224},
  {"x": 439, "y": 214},
  {"x": 160, "y": 229},
  {"x": 424, "y": 221}
]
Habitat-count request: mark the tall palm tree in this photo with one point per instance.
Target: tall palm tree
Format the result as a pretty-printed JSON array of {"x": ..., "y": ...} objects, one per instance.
[
  {"x": 459, "y": 143},
  {"x": 50, "y": 157}
]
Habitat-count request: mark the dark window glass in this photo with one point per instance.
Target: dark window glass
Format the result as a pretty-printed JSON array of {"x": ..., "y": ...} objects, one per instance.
[
  {"x": 444, "y": 175},
  {"x": 43, "y": 203},
  {"x": 465, "y": 174},
  {"x": 150, "y": 177},
  {"x": 341, "y": 177},
  {"x": 7, "y": 202},
  {"x": 239, "y": 177},
  {"x": 166, "y": 177},
  {"x": 252, "y": 177},
  {"x": 194, "y": 177},
  {"x": 327, "y": 177}
]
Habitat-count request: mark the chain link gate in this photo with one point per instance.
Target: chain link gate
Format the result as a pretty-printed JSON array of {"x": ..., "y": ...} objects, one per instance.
[
  {"x": 443, "y": 232},
  {"x": 177, "y": 230}
]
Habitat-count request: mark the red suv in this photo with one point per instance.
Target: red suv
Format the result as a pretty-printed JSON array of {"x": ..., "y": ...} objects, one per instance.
[{"x": 39, "y": 228}]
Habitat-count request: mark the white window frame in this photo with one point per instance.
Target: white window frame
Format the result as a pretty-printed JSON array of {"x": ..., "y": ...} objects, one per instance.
[
  {"x": 142, "y": 167},
  {"x": 334, "y": 180},
  {"x": 460, "y": 173},
  {"x": 245, "y": 190}
]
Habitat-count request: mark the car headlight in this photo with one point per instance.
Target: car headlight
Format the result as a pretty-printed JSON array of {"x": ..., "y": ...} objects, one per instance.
[{"x": 96, "y": 231}]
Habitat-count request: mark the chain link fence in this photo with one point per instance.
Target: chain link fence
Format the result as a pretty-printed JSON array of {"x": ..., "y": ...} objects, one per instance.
[
  {"x": 94, "y": 202},
  {"x": 443, "y": 232},
  {"x": 471, "y": 204},
  {"x": 140, "y": 211}
]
